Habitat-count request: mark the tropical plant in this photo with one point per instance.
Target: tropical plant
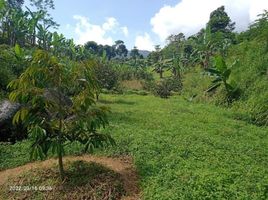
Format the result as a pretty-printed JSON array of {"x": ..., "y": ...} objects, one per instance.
[
  {"x": 222, "y": 72},
  {"x": 57, "y": 106},
  {"x": 260, "y": 27}
]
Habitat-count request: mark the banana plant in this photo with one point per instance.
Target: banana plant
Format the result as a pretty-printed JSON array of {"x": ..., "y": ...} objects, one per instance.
[
  {"x": 58, "y": 41},
  {"x": 206, "y": 50},
  {"x": 222, "y": 73},
  {"x": 33, "y": 23},
  {"x": 18, "y": 27},
  {"x": 177, "y": 64},
  {"x": 160, "y": 66},
  {"x": 44, "y": 36}
]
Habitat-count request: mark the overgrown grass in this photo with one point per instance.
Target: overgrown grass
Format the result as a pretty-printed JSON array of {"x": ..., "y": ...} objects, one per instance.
[
  {"x": 14, "y": 155},
  {"x": 190, "y": 151},
  {"x": 184, "y": 150}
]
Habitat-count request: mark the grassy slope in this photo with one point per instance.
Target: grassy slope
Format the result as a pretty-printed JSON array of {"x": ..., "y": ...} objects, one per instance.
[
  {"x": 182, "y": 150},
  {"x": 189, "y": 151}
]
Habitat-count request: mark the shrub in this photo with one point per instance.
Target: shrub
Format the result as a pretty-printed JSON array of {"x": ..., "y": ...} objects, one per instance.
[
  {"x": 126, "y": 72},
  {"x": 164, "y": 88},
  {"x": 106, "y": 76},
  {"x": 195, "y": 82},
  {"x": 6, "y": 75}
]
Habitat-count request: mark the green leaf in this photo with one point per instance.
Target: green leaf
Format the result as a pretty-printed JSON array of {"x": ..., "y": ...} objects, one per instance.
[
  {"x": 16, "y": 118},
  {"x": 214, "y": 71},
  {"x": 220, "y": 63},
  {"x": 18, "y": 51},
  {"x": 213, "y": 87},
  {"x": 219, "y": 79},
  {"x": 23, "y": 113},
  {"x": 2, "y": 4},
  {"x": 226, "y": 74}
]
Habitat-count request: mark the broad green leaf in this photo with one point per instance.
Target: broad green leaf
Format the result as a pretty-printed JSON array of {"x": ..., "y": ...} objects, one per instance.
[
  {"x": 220, "y": 63},
  {"x": 18, "y": 51},
  {"x": 226, "y": 74},
  {"x": 2, "y": 4}
]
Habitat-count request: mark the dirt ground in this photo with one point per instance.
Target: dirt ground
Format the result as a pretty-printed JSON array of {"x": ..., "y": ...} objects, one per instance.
[{"x": 122, "y": 165}]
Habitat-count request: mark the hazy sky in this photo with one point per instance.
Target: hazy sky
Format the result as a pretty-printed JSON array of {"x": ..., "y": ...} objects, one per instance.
[{"x": 145, "y": 23}]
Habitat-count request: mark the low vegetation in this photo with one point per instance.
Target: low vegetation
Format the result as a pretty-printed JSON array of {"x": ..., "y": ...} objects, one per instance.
[
  {"x": 192, "y": 114},
  {"x": 195, "y": 151}
]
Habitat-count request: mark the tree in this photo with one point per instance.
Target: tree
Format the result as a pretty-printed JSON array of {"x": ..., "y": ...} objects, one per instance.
[
  {"x": 57, "y": 106},
  {"x": 16, "y": 4},
  {"x": 106, "y": 76},
  {"x": 134, "y": 54},
  {"x": 43, "y": 4},
  {"x": 220, "y": 21},
  {"x": 260, "y": 27},
  {"x": 120, "y": 49},
  {"x": 109, "y": 52},
  {"x": 159, "y": 63},
  {"x": 207, "y": 48},
  {"x": 176, "y": 38},
  {"x": 92, "y": 46}
]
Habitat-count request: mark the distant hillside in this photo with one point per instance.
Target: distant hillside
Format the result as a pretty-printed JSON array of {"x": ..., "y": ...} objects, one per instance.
[{"x": 145, "y": 53}]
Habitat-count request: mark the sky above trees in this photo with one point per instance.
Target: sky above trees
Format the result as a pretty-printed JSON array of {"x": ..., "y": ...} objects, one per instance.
[{"x": 145, "y": 23}]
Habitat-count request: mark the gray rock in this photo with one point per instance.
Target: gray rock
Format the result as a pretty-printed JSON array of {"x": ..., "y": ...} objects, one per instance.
[
  {"x": 8, "y": 131},
  {"x": 7, "y": 110}
]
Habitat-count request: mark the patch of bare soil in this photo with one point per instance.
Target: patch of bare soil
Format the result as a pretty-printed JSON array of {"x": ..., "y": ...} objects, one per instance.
[{"x": 123, "y": 169}]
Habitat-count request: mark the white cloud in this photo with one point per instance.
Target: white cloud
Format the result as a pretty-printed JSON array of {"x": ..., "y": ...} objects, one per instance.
[
  {"x": 110, "y": 24},
  {"x": 125, "y": 31},
  {"x": 144, "y": 42},
  {"x": 102, "y": 34},
  {"x": 189, "y": 16}
]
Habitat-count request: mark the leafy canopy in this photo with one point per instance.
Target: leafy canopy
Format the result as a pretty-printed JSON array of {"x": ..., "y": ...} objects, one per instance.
[{"x": 57, "y": 105}]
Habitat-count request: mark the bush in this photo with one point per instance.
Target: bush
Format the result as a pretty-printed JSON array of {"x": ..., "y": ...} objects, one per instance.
[
  {"x": 148, "y": 85},
  {"x": 164, "y": 88},
  {"x": 8, "y": 63},
  {"x": 251, "y": 77},
  {"x": 106, "y": 76},
  {"x": 174, "y": 84},
  {"x": 253, "y": 110},
  {"x": 126, "y": 72},
  {"x": 195, "y": 82},
  {"x": 6, "y": 75}
]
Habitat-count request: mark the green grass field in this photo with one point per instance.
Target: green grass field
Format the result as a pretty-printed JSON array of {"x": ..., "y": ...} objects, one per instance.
[{"x": 181, "y": 150}]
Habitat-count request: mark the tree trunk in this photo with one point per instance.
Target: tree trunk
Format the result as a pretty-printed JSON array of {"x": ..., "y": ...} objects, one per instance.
[
  {"x": 175, "y": 72},
  {"x": 60, "y": 156},
  {"x": 161, "y": 74},
  {"x": 97, "y": 96},
  {"x": 60, "y": 133}
]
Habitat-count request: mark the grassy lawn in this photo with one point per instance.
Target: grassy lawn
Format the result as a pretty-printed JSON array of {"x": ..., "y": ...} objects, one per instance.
[{"x": 181, "y": 150}]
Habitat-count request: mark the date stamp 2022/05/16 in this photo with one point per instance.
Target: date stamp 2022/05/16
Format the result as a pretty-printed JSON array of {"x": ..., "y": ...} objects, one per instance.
[{"x": 29, "y": 188}]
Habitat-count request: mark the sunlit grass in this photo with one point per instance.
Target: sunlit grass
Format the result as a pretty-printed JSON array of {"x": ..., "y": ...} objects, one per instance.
[{"x": 182, "y": 150}]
